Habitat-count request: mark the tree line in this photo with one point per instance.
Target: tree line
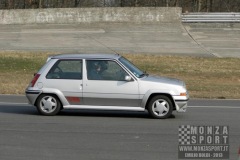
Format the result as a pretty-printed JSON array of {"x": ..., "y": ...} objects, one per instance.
[{"x": 187, "y": 5}]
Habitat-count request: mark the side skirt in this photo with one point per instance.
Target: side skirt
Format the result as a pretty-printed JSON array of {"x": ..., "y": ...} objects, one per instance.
[{"x": 104, "y": 107}]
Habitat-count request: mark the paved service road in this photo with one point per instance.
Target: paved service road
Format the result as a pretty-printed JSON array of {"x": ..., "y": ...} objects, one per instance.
[
  {"x": 112, "y": 135},
  {"x": 219, "y": 39},
  {"x": 165, "y": 38}
]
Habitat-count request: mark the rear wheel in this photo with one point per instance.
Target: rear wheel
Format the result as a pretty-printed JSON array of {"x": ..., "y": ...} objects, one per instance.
[
  {"x": 48, "y": 105},
  {"x": 160, "y": 107}
]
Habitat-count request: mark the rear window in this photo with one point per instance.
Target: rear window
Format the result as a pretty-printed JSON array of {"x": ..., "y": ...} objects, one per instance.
[{"x": 66, "y": 69}]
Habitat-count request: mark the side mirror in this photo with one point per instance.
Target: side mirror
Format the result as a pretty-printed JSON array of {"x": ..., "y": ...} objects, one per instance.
[{"x": 128, "y": 78}]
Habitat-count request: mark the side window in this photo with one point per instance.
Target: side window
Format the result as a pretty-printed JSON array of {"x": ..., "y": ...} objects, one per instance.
[
  {"x": 105, "y": 70},
  {"x": 66, "y": 69}
]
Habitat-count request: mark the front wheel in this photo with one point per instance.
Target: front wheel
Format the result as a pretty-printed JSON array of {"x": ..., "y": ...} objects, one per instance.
[
  {"x": 48, "y": 105},
  {"x": 160, "y": 107}
]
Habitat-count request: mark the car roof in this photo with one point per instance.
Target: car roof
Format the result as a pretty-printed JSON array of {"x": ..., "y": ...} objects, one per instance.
[{"x": 86, "y": 56}]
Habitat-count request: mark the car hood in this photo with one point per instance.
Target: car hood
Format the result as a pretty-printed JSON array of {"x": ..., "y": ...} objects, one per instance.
[{"x": 165, "y": 80}]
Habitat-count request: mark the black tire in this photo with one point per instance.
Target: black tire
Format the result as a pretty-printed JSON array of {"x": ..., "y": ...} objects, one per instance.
[
  {"x": 164, "y": 108},
  {"x": 48, "y": 105}
]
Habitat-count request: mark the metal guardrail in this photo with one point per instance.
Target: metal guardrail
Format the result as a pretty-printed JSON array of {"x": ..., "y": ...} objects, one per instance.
[{"x": 210, "y": 17}]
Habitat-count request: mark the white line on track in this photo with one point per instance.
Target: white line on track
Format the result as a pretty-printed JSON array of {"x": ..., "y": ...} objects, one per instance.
[{"x": 225, "y": 107}]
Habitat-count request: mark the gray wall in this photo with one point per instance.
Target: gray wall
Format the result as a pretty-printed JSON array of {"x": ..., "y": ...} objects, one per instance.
[{"x": 91, "y": 15}]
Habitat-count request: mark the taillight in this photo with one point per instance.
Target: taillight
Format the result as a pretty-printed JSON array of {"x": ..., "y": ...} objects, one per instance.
[{"x": 34, "y": 80}]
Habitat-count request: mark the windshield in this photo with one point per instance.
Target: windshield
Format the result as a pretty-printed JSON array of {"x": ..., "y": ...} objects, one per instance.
[{"x": 137, "y": 72}]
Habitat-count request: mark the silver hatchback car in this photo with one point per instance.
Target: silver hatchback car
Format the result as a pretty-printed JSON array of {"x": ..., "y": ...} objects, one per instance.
[{"x": 103, "y": 82}]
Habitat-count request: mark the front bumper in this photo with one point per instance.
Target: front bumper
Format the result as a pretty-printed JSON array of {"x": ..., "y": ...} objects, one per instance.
[
  {"x": 181, "y": 102},
  {"x": 181, "y": 106}
]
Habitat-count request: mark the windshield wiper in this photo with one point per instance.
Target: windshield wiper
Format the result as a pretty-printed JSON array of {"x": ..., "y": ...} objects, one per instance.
[{"x": 143, "y": 75}]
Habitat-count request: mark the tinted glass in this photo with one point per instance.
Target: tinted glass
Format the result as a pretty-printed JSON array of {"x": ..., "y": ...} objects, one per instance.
[
  {"x": 137, "y": 72},
  {"x": 66, "y": 69},
  {"x": 105, "y": 70}
]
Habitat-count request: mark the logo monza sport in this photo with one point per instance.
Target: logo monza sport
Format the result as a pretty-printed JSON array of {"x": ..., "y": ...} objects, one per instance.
[{"x": 203, "y": 142}]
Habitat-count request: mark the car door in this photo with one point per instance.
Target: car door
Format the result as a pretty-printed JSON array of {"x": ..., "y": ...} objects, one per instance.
[
  {"x": 105, "y": 85},
  {"x": 66, "y": 76}
]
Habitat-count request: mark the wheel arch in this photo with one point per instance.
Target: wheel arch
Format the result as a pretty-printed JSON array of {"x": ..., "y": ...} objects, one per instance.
[
  {"x": 53, "y": 94},
  {"x": 156, "y": 94}
]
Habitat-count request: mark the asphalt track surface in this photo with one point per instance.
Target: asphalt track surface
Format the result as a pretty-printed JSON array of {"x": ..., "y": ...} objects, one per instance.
[{"x": 112, "y": 135}]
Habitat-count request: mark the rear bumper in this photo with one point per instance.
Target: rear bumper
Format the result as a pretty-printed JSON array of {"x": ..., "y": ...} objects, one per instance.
[{"x": 32, "y": 95}]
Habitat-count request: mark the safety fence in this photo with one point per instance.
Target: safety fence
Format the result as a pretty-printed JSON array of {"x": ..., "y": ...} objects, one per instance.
[{"x": 210, "y": 17}]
